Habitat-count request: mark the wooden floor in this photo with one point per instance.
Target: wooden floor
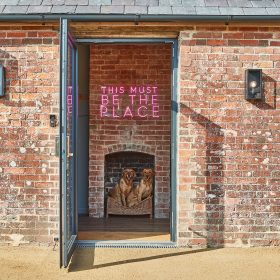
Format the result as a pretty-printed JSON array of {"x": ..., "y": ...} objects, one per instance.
[{"x": 124, "y": 228}]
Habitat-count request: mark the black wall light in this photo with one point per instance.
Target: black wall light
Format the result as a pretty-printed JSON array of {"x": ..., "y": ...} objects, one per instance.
[
  {"x": 2, "y": 81},
  {"x": 253, "y": 84}
]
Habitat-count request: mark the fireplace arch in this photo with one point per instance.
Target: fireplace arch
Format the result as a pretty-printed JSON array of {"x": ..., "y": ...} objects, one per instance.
[{"x": 130, "y": 147}]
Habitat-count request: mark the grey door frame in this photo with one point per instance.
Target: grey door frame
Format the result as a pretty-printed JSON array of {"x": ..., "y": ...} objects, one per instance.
[{"x": 174, "y": 150}]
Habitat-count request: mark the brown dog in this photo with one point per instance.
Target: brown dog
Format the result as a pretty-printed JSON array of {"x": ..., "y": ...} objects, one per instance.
[
  {"x": 124, "y": 187},
  {"x": 144, "y": 189}
]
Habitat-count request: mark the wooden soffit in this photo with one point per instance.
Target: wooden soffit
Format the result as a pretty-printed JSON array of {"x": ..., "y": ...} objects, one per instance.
[{"x": 149, "y": 29}]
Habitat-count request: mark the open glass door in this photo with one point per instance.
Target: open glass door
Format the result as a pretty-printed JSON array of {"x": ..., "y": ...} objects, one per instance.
[{"x": 68, "y": 121}]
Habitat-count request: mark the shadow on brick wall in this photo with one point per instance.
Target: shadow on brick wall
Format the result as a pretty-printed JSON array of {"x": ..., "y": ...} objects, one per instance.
[
  {"x": 213, "y": 194},
  {"x": 9, "y": 195}
]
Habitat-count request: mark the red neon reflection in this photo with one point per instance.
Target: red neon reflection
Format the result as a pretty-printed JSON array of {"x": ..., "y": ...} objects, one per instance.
[{"x": 69, "y": 100}]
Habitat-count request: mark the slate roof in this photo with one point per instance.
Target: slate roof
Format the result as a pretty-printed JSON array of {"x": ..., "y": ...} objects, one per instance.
[{"x": 142, "y": 7}]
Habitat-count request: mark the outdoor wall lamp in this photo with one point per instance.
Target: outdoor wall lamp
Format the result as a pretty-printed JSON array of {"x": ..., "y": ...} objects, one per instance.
[
  {"x": 2, "y": 81},
  {"x": 253, "y": 84}
]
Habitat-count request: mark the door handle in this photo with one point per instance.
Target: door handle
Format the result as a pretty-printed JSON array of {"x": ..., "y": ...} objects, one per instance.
[{"x": 68, "y": 147}]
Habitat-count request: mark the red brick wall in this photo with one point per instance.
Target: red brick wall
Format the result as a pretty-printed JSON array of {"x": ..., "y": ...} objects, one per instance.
[
  {"x": 28, "y": 167},
  {"x": 229, "y": 148},
  {"x": 228, "y": 171},
  {"x": 125, "y": 65}
]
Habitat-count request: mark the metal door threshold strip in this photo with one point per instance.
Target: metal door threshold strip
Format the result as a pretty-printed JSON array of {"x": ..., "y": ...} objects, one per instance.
[{"x": 123, "y": 244}]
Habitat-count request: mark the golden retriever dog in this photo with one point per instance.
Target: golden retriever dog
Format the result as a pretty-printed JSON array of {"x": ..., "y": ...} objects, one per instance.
[
  {"x": 144, "y": 189},
  {"x": 124, "y": 187}
]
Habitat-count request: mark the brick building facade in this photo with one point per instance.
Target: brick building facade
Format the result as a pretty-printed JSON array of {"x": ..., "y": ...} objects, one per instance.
[{"x": 228, "y": 191}]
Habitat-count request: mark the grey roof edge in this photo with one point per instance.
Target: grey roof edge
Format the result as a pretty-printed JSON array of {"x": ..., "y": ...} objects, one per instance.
[{"x": 138, "y": 17}]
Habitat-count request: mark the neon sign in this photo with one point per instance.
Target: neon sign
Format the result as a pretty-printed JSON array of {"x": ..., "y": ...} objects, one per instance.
[{"x": 129, "y": 102}]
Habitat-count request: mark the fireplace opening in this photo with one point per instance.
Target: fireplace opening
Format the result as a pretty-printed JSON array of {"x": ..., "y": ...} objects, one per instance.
[{"x": 116, "y": 163}]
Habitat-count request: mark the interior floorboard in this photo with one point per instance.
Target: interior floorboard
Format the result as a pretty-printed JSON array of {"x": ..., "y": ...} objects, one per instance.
[{"x": 124, "y": 228}]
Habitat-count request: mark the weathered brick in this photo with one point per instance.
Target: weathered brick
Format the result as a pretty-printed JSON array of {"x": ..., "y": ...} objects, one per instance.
[
  {"x": 25, "y": 161},
  {"x": 229, "y": 186}
]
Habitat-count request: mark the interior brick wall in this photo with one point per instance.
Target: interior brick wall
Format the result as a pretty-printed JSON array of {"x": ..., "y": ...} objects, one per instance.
[
  {"x": 28, "y": 167},
  {"x": 125, "y": 65},
  {"x": 229, "y": 148}
]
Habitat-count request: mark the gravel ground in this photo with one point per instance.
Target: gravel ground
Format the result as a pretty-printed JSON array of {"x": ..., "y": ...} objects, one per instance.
[{"x": 42, "y": 263}]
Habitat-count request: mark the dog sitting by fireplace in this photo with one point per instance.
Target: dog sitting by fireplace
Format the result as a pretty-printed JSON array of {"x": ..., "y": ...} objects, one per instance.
[
  {"x": 143, "y": 190},
  {"x": 126, "y": 197},
  {"x": 123, "y": 188}
]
